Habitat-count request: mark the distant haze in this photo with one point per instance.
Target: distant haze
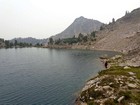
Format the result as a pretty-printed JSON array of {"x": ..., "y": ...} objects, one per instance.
[{"x": 44, "y": 18}]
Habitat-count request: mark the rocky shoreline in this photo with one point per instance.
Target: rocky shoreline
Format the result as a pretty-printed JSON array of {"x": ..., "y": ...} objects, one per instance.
[
  {"x": 117, "y": 85},
  {"x": 76, "y": 46}
]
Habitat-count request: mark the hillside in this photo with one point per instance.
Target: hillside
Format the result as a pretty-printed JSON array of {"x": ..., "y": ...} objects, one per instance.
[
  {"x": 123, "y": 36},
  {"x": 80, "y": 25},
  {"x": 117, "y": 35}
]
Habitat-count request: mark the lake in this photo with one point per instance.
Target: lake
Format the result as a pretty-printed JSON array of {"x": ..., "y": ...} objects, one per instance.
[{"x": 37, "y": 76}]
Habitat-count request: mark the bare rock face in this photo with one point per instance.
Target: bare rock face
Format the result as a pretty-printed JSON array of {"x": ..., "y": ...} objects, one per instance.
[{"x": 80, "y": 25}]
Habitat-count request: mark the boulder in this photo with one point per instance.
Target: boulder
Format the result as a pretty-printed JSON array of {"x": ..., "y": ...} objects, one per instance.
[
  {"x": 113, "y": 97},
  {"x": 106, "y": 87},
  {"x": 131, "y": 73},
  {"x": 120, "y": 99},
  {"x": 126, "y": 67},
  {"x": 131, "y": 78},
  {"x": 132, "y": 85},
  {"x": 132, "y": 104},
  {"x": 91, "y": 98}
]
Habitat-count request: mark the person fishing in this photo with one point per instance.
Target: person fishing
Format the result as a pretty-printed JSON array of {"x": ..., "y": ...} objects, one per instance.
[{"x": 106, "y": 64}]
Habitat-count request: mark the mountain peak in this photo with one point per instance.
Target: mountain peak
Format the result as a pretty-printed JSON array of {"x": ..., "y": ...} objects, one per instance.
[
  {"x": 80, "y": 25},
  {"x": 81, "y": 18}
]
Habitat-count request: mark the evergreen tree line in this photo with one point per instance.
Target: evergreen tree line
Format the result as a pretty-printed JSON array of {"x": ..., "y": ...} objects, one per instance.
[
  {"x": 9, "y": 44},
  {"x": 69, "y": 41}
]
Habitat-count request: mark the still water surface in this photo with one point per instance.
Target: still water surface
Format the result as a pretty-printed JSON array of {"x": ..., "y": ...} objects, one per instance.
[{"x": 36, "y": 76}]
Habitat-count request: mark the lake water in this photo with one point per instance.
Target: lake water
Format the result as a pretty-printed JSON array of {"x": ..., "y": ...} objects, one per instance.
[{"x": 37, "y": 76}]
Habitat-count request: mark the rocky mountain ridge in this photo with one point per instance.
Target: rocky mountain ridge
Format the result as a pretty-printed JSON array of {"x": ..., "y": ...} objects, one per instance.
[{"x": 80, "y": 25}]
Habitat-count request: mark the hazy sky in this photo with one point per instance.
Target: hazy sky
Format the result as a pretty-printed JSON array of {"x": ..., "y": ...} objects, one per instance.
[{"x": 43, "y": 18}]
